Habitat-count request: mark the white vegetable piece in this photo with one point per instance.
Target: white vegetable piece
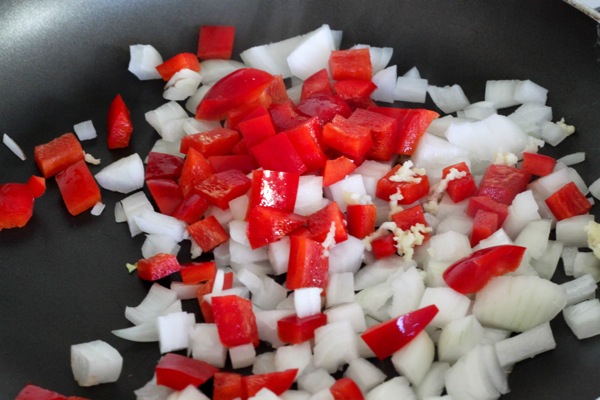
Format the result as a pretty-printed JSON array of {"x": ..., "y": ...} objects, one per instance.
[
  {"x": 98, "y": 208},
  {"x": 346, "y": 256},
  {"x": 586, "y": 263},
  {"x": 415, "y": 358},
  {"x": 155, "y": 223},
  {"x": 351, "y": 312},
  {"x": 411, "y": 89},
  {"x": 95, "y": 362},
  {"x": 434, "y": 154},
  {"x": 194, "y": 100},
  {"x": 264, "y": 363},
  {"x": 572, "y": 159},
  {"x": 522, "y": 210},
  {"x": 189, "y": 393},
  {"x": 297, "y": 356},
  {"x": 385, "y": 80},
  {"x": 571, "y": 231},
  {"x": 342, "y": 191},
  {"x": 534, "y": 237},
  {"x": 501, "y": 92},
  {"x": 213, "y": 70},
  {"x": 580, "y": 289},
  {"x": 291, "y": 394},
  {"x": 13, "y": 146},
  {"x": 310, "y": 194},
  {"x": 85, "y": 130},
  {"x": 266, "y": 323},
  {"x": 167, "y": 147},
  {"x": 312, "y": 54},
  {"x": 183, "y": 84},
  {"x": 152, "y": 391},
  {"x": 242, "y": 356},
  {"x": 433, "y": 383},
  {"x": 449, "y": 99},
  {"x": 157, "y": 300},
  {"x": 173, "y": 331},
  {"x": 155, "y": 244},
  {"x": 364, "y": 374},
  {"x": 340, "y": 289},
  {"x": 264, "y": 394},
  {"x": 583, "y": 318},
  {"x": 380, "y": 56},
  {"x": 315, "y": 381},
  {"x": 124, "y": 175},
  {"x": 407, "y": 291},
  {"x": 379, "y": 271},
  {"x": 168, "y": 120},
  {"x": 144, "y": 332},
  {"x": 449, "y": 246},
  {"x": 478, "y": 111},
  {"x": 335, "y": 345},
  {"x": 451, "y": 304},
  {"x": 458, "y": 337},
  {"x": 530, "y": 117},
  {"x": 530, "y": 92},
  {"x": 525, "y": 345},
  {"x": 307, "y": 301},
  {"x": 143, "y": 60},
  {"x": 279, "y": 255},
  {"x": 546, "y": 264},
  {"x": 395, "y": 388}
]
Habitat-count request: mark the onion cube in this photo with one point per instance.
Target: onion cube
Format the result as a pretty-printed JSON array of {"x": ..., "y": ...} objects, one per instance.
[
  {"x": 584, "y": 318},
  {"x": 95, "y": 362},
  {"x": 173, "y": 331}
]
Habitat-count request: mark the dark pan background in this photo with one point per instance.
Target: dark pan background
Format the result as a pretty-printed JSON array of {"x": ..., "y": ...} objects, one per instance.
[{"x": 62, "y": 278}]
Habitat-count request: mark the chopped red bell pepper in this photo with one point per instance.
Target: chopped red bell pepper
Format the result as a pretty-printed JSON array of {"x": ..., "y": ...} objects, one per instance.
[
  {"x": 78, "y": 188},
  {"x": 567, "y": 202},
  {"x": 538, "y": 164},
  {"x": 16, "y": 205},
  {"x": 215, "y": 42},
  {"x": 208, "y": 233},
  {"x": 325, "y": 107},
  {"x": 390, "y": 336},
  {"x": 34, "y": 392},
  {"x": 257, "y": 128},
  {"x": 277, "y": 91},
  {"x": 191, "y": 209},
  {"x": 410, "y": 217},
  {"x": 196, "y": 169},
  {"x": 306, "y": 141},
  {"x": 319, "y": 223},
  {"x": 308, "y": 265},
  {"x": 163, "y": 166},
  {"x": 278, "y": 154},
  {"x": 348, "y": 138},
  {"x": 235, "y": 320},
  {"x": 241, "y": 87},
  {"x": 384, "y": 246},
  {"x": 346, "y": 389},
  {"x": 285, "y": 116},
  {"x": 205, "y": 307},
  {"x": 296, "y": 330},
  {"x": 357, "y": 92},
  {"x": 361, "y": 219},
  {"x": 384, "y": 133},
  {"x": 220, "y": 188},
  {"x": 120, "y": 127},
  {"x": 460, "y": 188},
  {"x": 337, "y": 169},
  {"x": 351, "y": 64},
  {"x": 166, "y": 193},
  {"x": 242, "y": 162},
  {"x": 157, "y": 267},
  {"x": 176, "y": 63},
  {"x": 277, "y": 382},
  {"x": 37, "y": 185},
  {"x": 317, "y": 83},
  {"x": 178, "y": 372},
  {"x": 487, "y": 204},
  {"x": 58, "y": 154},
  {"x": 410, "y": 191},
  {"x": 484, "y": 224},
  {"x": 216, "y": 142},
  {"x": 502, "y": 182},
  {"x": 267, "y": 225},
  {"x": 472, "y": 273},
  {"x": 197, "y": 272},
  {"x": 228, "y": 386},
  {"x": 274, "y": 189}
]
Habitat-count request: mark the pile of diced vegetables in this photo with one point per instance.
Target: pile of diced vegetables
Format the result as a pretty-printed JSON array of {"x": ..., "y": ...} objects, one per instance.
[{"x": 342, "y": 231}]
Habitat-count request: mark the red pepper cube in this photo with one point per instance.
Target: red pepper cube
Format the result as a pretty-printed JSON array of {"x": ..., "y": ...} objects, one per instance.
[
  {"x": 384, "y": 246},
  {"x": 227, "y": 386},
  {"x": 215, "y": 42},
  {"x": 308, "y": 265},
  {"x": 410, "y": 191},
  {"x": 178, "y": 372},
  {"x": 337, "y": 169},
  {"x": 277, "y": 382},
  {"x": 567, "y": 202},
  {"x": 285, "y": 116},
  {"x": 538, "y": 164},
  {"x": 502, "y": 183},
  {"x": 157, "y": 267},
  {"x": 306, "y": 139},
  {"x": 460, "y": 188},
  {"x": 361, "y": 219},
  {"x": 319, "y": 223},
  {"x": 278, "y": 154},
  {"x": 191, "y": 209},
  {"x": 296, "y": 330},
  {"x": 355, "y": 91},
  {"x": 487, "y": 204},
  {"x": 78, "y": 188},
  {"x": 219, "y": 189},
  {"x": 57, "y": 154},
  {"x": 276, "y": 92},
  {"x": 205, "y": 307},
  {"x": 37, "y": 185},
  {"x": 196, "y": 170},
  {"x": 257, "y": 129},
  {"x": 348, "y": 138},
  {"x": 384, "y": 131},
  {"x": 267, "y": 225},
  {"x": 166, "y": 193},
  {"x": 317, "y": 83},
  {"x": 390, "y": 336},
  {"x": 16, "y": 205},
  {"x": 412, "y": 124},
  {"x": 410, "y": 217},
  {"x": 324, "y": 107},
  {"x": 176, "y": 63},
  {"x": 197, "y": 272},
  {"x": 274, "y": 189},
  {"x": 351, "y": 64},
  {"x": 346, "y": 389},
  {"x": 235, "y": 320},
  {"x": 241, "y": 162},
  {"x": 216, "y": 142},
  {"x": 33, "y": 392},
  {"x": 208, "y": 233},
  {"x": 484, "y": 224},
  {"x": 163, "y": 166},
  {"x": 120, "y": 126},
  {"x": 242, "y": 87}
]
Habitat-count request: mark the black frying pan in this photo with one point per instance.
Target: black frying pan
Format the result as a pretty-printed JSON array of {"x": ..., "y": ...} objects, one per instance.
[{"x": 62, "y": 278}]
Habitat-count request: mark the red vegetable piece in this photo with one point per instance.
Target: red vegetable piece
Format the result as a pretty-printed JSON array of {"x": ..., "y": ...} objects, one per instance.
[
  {"x": 216, "y": 142},
  {"x": 410, "y": 217},
  {"x": 285, "y": 116},
  {"x": 163, "y": 166},
  {"x": 205, "y": 307},
  {"x": 228, "y": 386},
  {"x": 241, "y": 87},
  {"x": 57, "y": 154},
  {"x": 337, "y": 169},
  {"x": 34, "y": 392},
  {"x": 197, "y": 272},
  {"x": 472, "y": 273},
  {"x": 235, "y": 320},
  {"x": 257, "y": 129},
  {"x": 357, "y": 92},
  {"x": 351, "y": 64},
  {"x": 384, "y": 132},
  {"x": 306, "y": 139},
  {"x": 384, "y": 246},
  {"x": 308, "y": 265},
  {"x": 191, "y": 209},
  {"x": 196, "y": 170},
  {"x": 390, "y": 336},
  {"x": 241, "y": 162},
  {"x": 166, "y": 194},
  {"x": 120, "y": 126},
  {"x": 296, "y": 330},
  {"x": 325, "y": 107},
  {"x": 215, "y": 42},
  {"x": 538, "y": 164},
  {"x": 176, "y": 63},
  {"x": 208, "y": 233},
  {"x": 222, "y": 187},
  {"x": 484, "y": 224},
  {"x": 487, "y": 204},
  {"x": 157, "y": 267},
  {"x": 319, "y": 223},
  {"x": 37, "y": 185},
  {"x": 267, "y": 225},
  {"x": 410, "y": 191},
  {"x": 567, "y": 202},
  {"x": 178, "y": 372},
  {"x": 502, "y": 182},
  {"x": 460, "y": 188},
  {"x": 277, "y": 91},
  {"x": 16, "y": 205},
  {"x": 274, "y": 189},
  {"x": 346, "y": 389},
  {"x": 361, "y": 219},
  {"x": 317, "y": 83},
  {"x": 348, "y": 138},
  {"x": 78, "y": 188},
  {"x": 278, "y": 154},
  {"x": 277, "y": 382}
]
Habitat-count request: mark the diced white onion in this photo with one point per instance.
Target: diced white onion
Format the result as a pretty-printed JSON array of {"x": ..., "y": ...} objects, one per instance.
[
  {"x": 571, "y": 159},
  {"x": 315, "y": 381},
  {"x": 155, "y": 302},
  {"x": 335, "y": 345},
  {"x": 525, "y": 345},
  {"x": 95, "y": 362},
  {"x": 214, "y": 70},
  {"x": 85, "y": 130},
  {"x": 98, "y": 208},
  {"x": 530, "y": 92},
  {"x": 364, "y": 374},
  {"x": 580, "y": 289},
  {"x": 385, "y": 80},
  {"x": 501, "y": 92},
  {"x": 124, "y": 175},
  {"x": 160, "y": 117},
  {"x": 449, "y": 99},
  {"x": 13, "y": 146},
  {"x": 584, "y": 318},
  {"x": 205, "y": 345},
  {"x": 183, "y": 84},
  {"x": 414, "y": 359},
  {"x": 312, "y": 54},
  {"x": 143, "y": 61},
  {"x": 242, "y": 356},
  {"x": 297, "y": 356}
]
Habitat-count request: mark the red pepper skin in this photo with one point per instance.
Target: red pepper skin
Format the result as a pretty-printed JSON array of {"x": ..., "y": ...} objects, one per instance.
[
  {"x": 384, "y": 133},
  {"x": 197, "y": 272},
  {"x": 235, "y": 320},
  {"x": 317, "y": 83},
  {"x": 285, "y": 116},
  {"x": 461, "y": 188},
  {"x": 472, "y": 273},
  {"x": 296, "y": 330},
  {"x": 166, "y": 194},
  {"x": 306, "y": 140},
  {"x": 274, "y": 189},
  {"x": 196, "y": 169},
  {"x": 205, "y": 306},
  {"x": 277, "y": 91},
  {"x": 384, "y": 246},
  {"x": 120, "y": 126},
  {"x": 277, "y": 382},
  {"x": 484, "y": 224},
  {"x": 57, "y": 154},
  {"x": 78, "y": 188},
  {"x": 176, "y": 63},
  {"x": 278, "y": 154},
  {"x": 390, "y": 336},
  {"x": 357, "y": 92},
  {"x": 567, "y": 202},
  {"x": 16, "y": 205},
  {"x": 538, "y": 164},
  {"x": 361, "y": 219},
  {"x": 410, "y": 217},
  {"x": 319, "y": 223},
  {"x": 37, "y": 185},
  {"x": 487, "y": 204},
  {"x": 228, "y": 386},
  {"x": 241, "y": 87},
  {"x": 346, "y": 389},
  {"x": 33, "y": 392},
  {"x": 267, "y": 225},
  {"x": 157, "y": 267},
  {"x": 410, "y": 191},
  {"x": 337, "y": 169},
  {"x": 325, "y": 107},
  {"x": 257, "y": 128},
  {"x": 191, "y": 209},
  {"x": 208, "y": 233},
  {"x": 502, "y": 183},
  {"x": 245, "y": 163},
  {"x": 351, "y": 64},
  {"x": 308, "y": 265},
  {"x": 178, "y": 372},
  {"x": 222, "y": 187},
  {"x": 163, "y": 166},
  {"x": 350, "y": 139},
  {"x": 215, "y": 42},
  {"x": 216, "y": 142}
]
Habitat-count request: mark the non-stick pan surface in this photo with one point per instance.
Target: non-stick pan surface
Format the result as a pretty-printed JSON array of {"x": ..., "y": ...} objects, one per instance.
[{"x": 62, "y": 278}]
